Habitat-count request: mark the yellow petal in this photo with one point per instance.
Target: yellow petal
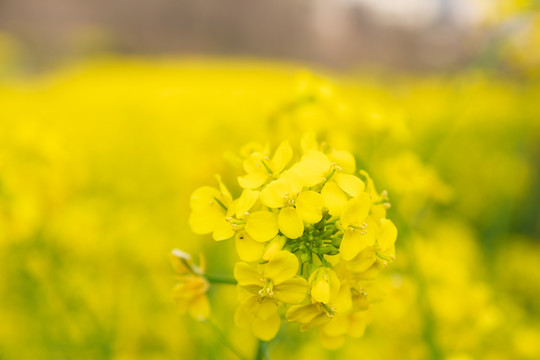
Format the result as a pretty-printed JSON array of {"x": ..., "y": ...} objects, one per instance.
[
  {"x": 387, "y": 237},
  {"x": 203, "y": 197},
  {"x": 275, "y": 194},
  {"x": 243, "y": 316},
  {"x": 199, "y": 308},
  {"x": 332, "y": 342},
  {"x": 246, "y": 275},
  {"x": 356, "y": 240},
  {"x": 262, "y": 226},
  {"x": 294, "y": 181},
  {"x": 378, "y": 211},
  {"x": 290, "y": 223},
  {"x": 362, "y": 261},
  {"x": 350, "y": 184},
  {"x": 334, "y": 198},
  {"x": 337, "y": 327},
  {"x": 325, "y": 285},
  {"x": 253, "y": 180},
  {"x": 248, "y": 249},
  {"x": 302, "y": 313},
  {"x": 274, "y": 246},
  {"x": 266, "y": 308},
  {"x": 344, "y": 159},
  {"x": 291, "y": 291},
  {"x": 225, "y": 194},
  {"x": 282, "y": 266},
  {"x": 246, "y": 202},
  {"x": 318, "y": 320},
  {"x": 281, "y": 157},
  {"x": 309, "y": 205},
  {"x": 343, "y": 300},
  {"x": 356, "y": 210},
  {"x": 266, "y": 329},
  {"x": 204, "y": 220},
  {"x": 357, "y": 324},
  {"x": 223, "y": 230},
  {"x": 312, "y": 168}
]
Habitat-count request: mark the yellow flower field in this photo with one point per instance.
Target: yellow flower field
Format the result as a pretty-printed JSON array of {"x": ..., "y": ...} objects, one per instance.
[{"x": 99, "y": 161}]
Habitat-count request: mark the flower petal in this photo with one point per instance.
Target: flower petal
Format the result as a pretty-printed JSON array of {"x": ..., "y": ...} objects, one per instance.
[
  {"x": 282, "y": 266},
  {"x": 344, "y": 159},
  {"x": 325, "y": 285},
  {"x": 356, "y": 210},
  {"x": 262, "y": 225},
  {"x": 312, "y": 168},
  {"x": 387, "y": 237},
  {"x": 266, "y": 308},
  {"x": 281, "y": 157},
  {"x": 292, "y": 291},
  {"x": 331, "y": 342},
  {"x": 253, "y": 180},
  {"x": 274, "y": 195},
  {"x": 334, "y": 198},
  {"x": 290, "y": 223},
  {"x": 343, "y": 300},
  {"x": 246, "y": 275},
  {"x": 356, "y": 240},
  {"x": 350, "y": 184},
  {"x": 246, "y": 202},
  {"x": 309, "y": 205},
  {"x": 203, "y": 197},
  {"x": 266, "y": 329},
  {"x": 362, "y": 261},
  {"x": 357, "y": 324},
  {"x": 302, "y": 314},
  {"x": 274, "y": 246},
  {"x": 337, "y": 327},
  {"x": 204, "y": 220},
  {"x": 199, "y": 308},
  {"x": 223, "y": 230},
  {"x": 248, "y": 249}
]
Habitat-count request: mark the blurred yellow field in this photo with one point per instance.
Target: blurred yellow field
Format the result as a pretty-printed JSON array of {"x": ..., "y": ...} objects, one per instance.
[{"x": 98, "y": 162}]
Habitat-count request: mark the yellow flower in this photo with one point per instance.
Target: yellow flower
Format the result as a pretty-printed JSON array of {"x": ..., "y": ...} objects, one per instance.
[
  {"x": 264, "y": 291},
  {"x": 295, "y": 206},
  {"x": 333, "y": 333},
  {"x": 317, "y": 313},
  {"x": 190, "y": 291},
  {"x": 277, "y": 280},
  {"x": 359, "y": 230},
  {"x": 259, "y": 168},
  {"x": 210, "y": 209},
  {"x": 316, "y": 210}
]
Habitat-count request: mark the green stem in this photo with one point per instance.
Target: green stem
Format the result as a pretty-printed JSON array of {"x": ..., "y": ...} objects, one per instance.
[
  {"x": 220, "y": 280},
  {"x": 261, "y": 350},
  {"x": 221, "y": 336}
]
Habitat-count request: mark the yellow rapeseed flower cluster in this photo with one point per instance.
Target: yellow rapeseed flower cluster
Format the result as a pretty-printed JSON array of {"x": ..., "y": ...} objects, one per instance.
[{"x": 311, "y": 236}]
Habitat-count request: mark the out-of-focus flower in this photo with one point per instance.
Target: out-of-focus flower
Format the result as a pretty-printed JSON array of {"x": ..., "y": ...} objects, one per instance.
[{"x": 190, "y": 290}]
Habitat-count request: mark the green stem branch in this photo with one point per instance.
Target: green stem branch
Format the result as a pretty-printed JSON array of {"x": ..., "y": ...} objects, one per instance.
[{"x": 220, "y": 280}]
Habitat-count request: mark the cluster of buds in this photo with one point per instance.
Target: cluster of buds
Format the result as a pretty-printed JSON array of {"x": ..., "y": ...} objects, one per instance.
[{"x": 311, "y": 236}]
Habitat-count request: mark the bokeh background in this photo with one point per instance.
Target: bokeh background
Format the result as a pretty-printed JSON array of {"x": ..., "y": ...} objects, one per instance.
[{"x": 113, "y": 112}]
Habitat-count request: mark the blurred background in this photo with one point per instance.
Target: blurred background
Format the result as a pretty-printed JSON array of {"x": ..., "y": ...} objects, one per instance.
[{"x": 113, "y": 112}]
